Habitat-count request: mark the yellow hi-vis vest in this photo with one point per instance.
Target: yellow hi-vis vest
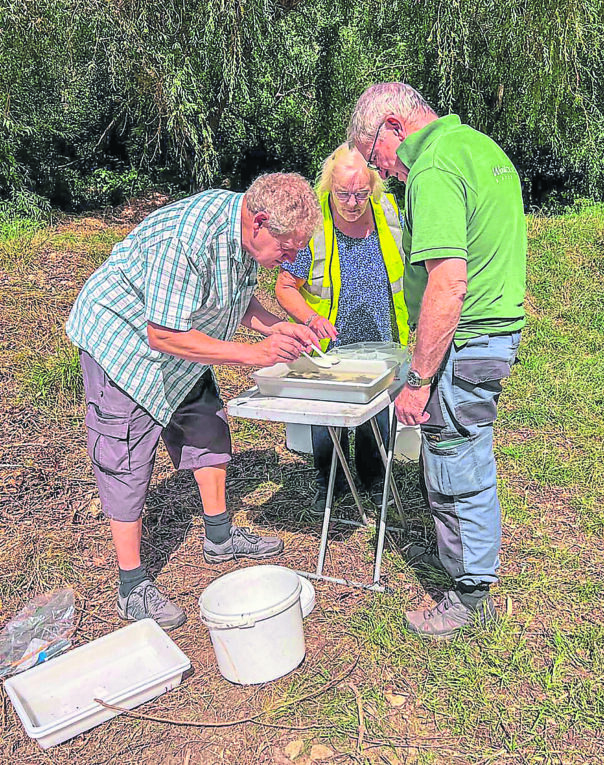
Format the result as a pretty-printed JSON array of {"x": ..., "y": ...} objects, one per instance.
[{"x": 321, "y": 291}]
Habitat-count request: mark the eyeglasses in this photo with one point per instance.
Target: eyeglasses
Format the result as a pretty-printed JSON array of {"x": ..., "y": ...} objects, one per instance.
[
  {"x": 359, "y": 196},
  {"x": 370, "y": 163}
]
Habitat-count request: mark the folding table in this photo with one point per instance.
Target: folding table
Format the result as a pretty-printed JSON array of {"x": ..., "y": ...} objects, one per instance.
[{"x": 335, "y": 416}]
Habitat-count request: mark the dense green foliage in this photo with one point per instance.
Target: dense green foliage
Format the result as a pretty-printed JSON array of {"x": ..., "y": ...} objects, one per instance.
[{"x": 99, "y": 98}]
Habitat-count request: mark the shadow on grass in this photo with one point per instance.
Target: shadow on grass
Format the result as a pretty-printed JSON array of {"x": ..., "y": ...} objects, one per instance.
[
  {"x": 275, "y": 493},
  {"x": 266, "y": 488}
]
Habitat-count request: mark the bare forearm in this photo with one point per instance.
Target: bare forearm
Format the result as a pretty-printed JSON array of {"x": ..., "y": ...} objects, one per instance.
[
  {"x": 292, "y": 301},
  {"x": 258, "y": 318},
  {"x": 194, "y": 345},
  {"x": 439, "y": 317}
]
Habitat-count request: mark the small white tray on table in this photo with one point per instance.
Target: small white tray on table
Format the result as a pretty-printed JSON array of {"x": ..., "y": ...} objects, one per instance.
[{"x": 334, "y": 415}]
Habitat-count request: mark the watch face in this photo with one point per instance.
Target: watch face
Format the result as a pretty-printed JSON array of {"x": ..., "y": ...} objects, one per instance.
[{"x": 414, "y": 379}]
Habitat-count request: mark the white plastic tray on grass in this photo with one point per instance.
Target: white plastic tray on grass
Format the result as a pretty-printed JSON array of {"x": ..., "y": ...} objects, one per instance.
[{"x": 128, "y": 667}]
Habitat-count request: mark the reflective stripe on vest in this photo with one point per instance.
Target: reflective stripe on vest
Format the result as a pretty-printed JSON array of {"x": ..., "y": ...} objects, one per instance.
[{"x": 322, "y": 293}]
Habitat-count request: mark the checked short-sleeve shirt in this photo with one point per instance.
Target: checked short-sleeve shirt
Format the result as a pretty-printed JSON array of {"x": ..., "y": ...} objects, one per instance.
[{"x": 183, "y": 268}]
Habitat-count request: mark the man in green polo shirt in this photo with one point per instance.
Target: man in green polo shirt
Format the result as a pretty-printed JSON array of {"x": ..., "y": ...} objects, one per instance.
[{"x": 465, "y": 264}]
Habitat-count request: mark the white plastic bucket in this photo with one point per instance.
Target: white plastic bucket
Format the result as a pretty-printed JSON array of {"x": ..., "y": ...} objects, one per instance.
[
  {"x": 255, "y": 622},
  {"x": 307, "y": 596}
]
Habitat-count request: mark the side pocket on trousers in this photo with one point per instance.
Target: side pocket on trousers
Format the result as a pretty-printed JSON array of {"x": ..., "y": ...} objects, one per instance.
[
  {"x": 108, "y": 446},
  {"x": 479, "y": 384},
  {"x": 456, "y": 466},
  {"x": 436, "y": 422}
]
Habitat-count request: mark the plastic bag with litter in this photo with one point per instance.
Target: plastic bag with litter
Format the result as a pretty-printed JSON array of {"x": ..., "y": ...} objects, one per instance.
[{"x": 40, "y": 630}]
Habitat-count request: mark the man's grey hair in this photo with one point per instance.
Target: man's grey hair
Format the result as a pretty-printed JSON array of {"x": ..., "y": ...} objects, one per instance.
[
  {"x": 380, "y": 100},
  {"x": 289, "y": 201}
]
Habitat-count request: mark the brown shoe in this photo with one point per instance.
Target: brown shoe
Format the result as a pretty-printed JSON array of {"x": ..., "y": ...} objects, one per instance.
[{"x": 450, "y": 617}]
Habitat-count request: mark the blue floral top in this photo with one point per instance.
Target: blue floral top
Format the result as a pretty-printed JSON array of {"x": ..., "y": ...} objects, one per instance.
[{"x": 364, "y": 306}]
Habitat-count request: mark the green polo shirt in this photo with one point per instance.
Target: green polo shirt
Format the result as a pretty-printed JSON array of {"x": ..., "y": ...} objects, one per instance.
[{"x": 463, "y": 200}]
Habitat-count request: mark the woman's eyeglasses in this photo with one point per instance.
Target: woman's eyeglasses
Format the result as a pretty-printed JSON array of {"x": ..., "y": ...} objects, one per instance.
[{"x": 359, "y": 196}]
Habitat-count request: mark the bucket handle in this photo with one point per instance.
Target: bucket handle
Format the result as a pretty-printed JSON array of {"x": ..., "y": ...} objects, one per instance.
[{"x": 245, "y": 622}]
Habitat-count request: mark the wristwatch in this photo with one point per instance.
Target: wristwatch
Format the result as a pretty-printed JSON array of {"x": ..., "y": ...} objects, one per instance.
[{"x": 415, "y": 381}]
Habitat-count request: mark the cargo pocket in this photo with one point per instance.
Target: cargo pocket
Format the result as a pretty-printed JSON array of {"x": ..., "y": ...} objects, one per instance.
[
  {"x": 108, "y": 446},
  {"x": 477, "y": 385},
  {"x": 456, "y": 465}
]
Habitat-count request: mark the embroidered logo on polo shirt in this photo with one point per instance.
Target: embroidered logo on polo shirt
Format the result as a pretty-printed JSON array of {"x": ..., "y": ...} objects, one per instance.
[{"x": 502, "y": 172}]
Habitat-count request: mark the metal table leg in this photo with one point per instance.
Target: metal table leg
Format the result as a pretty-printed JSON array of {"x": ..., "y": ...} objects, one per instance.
[
  {"x": 338, "y": 448},
  {"x": 328, "y": 502},
  {"x": 387, "y": 482},
  {"x": 338, "y": 455},
  {"x": 378, "y": 438},
  {"x": 374, "y": 587}
]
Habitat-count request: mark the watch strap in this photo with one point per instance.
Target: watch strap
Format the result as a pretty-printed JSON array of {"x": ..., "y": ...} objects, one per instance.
[{"x": 415, "y": 381}]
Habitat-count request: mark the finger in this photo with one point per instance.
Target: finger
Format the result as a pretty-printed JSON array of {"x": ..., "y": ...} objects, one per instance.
[
  {"x": 313, "y": 336},
  {"x": 307, "y": 336},
  {"x": 332, "y": 332},
  {"x": 304, "y": 335},
  {"x": 285, "y": 355},
  {"x": 405, "y": 417},
  {"x": 285, "y": 341},
  {"x": 294, "y": 350},
  {"x": 399, "y": 412}
]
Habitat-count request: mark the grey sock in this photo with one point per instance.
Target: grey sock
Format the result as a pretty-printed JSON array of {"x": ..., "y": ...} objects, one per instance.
[
  {"x": 129, "y": 579},
  {"x": 218, "y": 527},
  {"x": 472, "y": 596}
]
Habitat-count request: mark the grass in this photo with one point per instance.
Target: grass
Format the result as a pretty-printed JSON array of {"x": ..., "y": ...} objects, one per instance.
[
  {"x": 93, "y": 245},
  {"x": 52, "y": 381},
  {"x": 557, "y": 391},
  {"x": 267, "y": 279},
  {"x": 529, "y": 691},
  {"x": 496, "y": 692},
  {"x": 21, "y": 243}
]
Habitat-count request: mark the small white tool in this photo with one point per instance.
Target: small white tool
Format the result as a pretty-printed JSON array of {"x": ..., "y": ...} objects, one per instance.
[{"x": 323, "y": 361}]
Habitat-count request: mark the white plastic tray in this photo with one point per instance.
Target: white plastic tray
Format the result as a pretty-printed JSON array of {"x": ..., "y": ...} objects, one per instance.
[
  {"x": 55, "y": 700},
  {"x": 273, "y": 381}
]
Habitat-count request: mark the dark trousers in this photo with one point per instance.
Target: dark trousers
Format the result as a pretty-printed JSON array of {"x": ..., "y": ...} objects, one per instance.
[{"x": 368, "y": 463}]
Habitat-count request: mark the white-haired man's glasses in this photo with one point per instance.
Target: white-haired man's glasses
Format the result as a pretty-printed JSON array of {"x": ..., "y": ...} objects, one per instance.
[{"x": 370, "y": 163}]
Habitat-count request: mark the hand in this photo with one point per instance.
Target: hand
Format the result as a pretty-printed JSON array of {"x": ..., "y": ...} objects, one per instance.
[
  {"x": 411, "y": 403},
  {"x": 323, "y": 327},
  {"x": 275, "y": 348},
  {"x": 299, "y": 332}
]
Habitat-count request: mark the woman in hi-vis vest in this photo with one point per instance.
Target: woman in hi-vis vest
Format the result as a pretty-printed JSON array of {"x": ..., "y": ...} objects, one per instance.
[{"x": 348, "y": 286}]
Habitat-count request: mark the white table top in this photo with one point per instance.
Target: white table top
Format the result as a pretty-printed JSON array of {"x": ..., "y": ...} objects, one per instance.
[{"x": 253, "y": 405}]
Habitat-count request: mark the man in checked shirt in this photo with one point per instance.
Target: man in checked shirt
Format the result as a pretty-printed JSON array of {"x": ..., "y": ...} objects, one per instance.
[{"x": 150, "y": 323}]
